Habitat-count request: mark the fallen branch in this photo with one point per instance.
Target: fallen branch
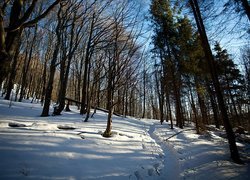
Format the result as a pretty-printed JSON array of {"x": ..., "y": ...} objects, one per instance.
[
  {"x": 179, "y": 133},
  {"x": 93, "y": 107},
  {"x": 13, "y": 124},
  {"x": 66, "y": 127}
]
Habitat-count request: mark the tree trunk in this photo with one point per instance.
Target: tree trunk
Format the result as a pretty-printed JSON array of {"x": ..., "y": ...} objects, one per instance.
[
  {"x": 233, "y": 102},
  {"x": 179, "y": 118},
  {"x": 209, "y": 56},
  {"x": 168, "y": 105},
  {"x": 4, "y": 57},
  {"x": 23, "y": 76},
  {"x": 160, "y": 95},
  {"x": 110, "y": 92},
  {"x": 12, "y": 74},
  {"x": 201, "y": 101},
  {"x": 214, "y": 105},
  {"x": 49, "y": 88},
  {"x": 18, "y": 20},
  {"x": 197, "y": 125},
  {"x": 44, "y": 76},
  {"x": 64, "y": 74},
  {"x": 67, "y": 109},
  {"x": 89, "y": 96},
  {"x": 26, "y": 67},
  {"x": 144, "y": 94},
  {"x": 246, "y": 7},
  {"x": 83, "y": 109}
]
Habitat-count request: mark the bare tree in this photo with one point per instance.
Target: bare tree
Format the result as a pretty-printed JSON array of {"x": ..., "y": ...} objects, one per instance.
[
  {"x": 74, "y": 22},
  {"x": 120, "y": 53},
  {"x": 97, "y": 29},
  {"x": 53, "y": 62},
  {"x": 18, "y": 19}
]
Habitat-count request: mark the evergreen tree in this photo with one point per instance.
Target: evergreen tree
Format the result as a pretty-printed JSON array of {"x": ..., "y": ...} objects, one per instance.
[
  {"x": 166, "y": 48},
  {"x": 230, "y": 78},
  {"x": 212, "y": 67}
]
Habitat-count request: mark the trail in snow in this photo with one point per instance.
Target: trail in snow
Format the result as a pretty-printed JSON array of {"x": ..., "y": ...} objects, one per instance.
[
  {"x": 165, "y": 165},
  {"x": 149, "y": 145},
  {"x": 170, "y": 168},
  {"x": 199, "y": 156},
  {"x": 138, "y": 150}
]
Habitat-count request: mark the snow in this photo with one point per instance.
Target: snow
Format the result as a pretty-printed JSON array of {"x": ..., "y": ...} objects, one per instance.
[{"x": 138, "y": 149}]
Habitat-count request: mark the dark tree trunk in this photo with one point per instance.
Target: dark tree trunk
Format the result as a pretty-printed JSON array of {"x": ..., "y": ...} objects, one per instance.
[
  {"x": 159, "y": 89},
  {"x": 144, "y": 94},
  {"x": 233, "y": 101},
  {"x": 9, "y": 40},
  {"x": 168, "y": 105},
  {"x": 66, "y": 59},
  {"x": 209, "y": 56},
  {"x": 197, "y": 125},
  {"x": 49, "y": 88},
  {"x": 201, "y": 101},
  {"x": 67, "y": 109},
  {"x": 4, "y": 57},
  {"x": 110, "y": 106},
  {"x": 214, "y": 105},
  {"x": 44, "y": 78},
  {"x": 9, "y": 37},
  {"x": 12, "y": 74},
  {"x": 26, "y": 67},
  {"x": 88, "y": 107},
  {"x": 84, "y": 86},
  {"x": 88, "y": 54},
  {"x": 203, "y": 109},
  {"x": 64, "y": 74},
  {"x": 246, "y": 7},
  {"x": 179, "y": 118}
]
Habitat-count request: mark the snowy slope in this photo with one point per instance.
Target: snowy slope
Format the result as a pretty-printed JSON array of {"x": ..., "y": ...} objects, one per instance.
[{"x": 137, "y": 151}]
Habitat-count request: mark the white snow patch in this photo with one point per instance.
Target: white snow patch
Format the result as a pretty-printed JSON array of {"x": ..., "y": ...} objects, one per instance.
[{"x": 138, "y": 149}]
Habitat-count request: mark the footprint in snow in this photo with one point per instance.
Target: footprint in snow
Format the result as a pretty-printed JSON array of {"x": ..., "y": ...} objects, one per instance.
[
  {"x": 151, "y": 172},
  {"x": 121, "y": 134},
  {"x": 138, "y": 175}
]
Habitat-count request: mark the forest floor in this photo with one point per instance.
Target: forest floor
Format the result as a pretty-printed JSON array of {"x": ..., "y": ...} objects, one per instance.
[{"x": 34, "y": 147}]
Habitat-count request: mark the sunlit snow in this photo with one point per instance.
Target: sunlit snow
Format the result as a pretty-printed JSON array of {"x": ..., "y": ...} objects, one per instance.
[{"x": 138, "y": 149}]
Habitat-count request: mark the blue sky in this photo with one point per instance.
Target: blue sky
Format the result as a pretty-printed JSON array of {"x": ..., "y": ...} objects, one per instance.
[{"x": 230, "y": 34}]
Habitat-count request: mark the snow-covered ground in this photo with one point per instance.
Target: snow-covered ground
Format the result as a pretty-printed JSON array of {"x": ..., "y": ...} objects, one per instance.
[{"x": 138, "y": 149}]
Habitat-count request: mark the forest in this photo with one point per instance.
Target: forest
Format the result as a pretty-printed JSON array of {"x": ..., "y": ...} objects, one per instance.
[{"x": 158, "y": 59}]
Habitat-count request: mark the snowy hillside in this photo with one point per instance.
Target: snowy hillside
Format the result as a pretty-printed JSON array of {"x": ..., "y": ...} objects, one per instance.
[{"x": 138, "y": 150}]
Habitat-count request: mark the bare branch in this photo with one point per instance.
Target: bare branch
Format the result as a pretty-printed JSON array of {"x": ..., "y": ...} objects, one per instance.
[{"x": 43, "y": 15}]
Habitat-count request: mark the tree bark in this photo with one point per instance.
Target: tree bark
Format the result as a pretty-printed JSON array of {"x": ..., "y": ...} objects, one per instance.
[
  {"x": 9, "y": 36},
  {"x": 246, "y": 7},
  {"x": 26, "y": 67},
  {"x": 214, "y": 105},
  {"x": 159, "y": 90},
  {"x": 12, "y": 74},
  {"x": 110, "y": 92},
  {"x": 85, "y": 86},
  {"x": 66, "y": 62},
  {"x": 144, "y": 93},
  {"x": 168, "y": 105},
  {"x": 49, "y": 88},
  {"x": 209, "y": 56},
  {"x": 197, "y": 125}
]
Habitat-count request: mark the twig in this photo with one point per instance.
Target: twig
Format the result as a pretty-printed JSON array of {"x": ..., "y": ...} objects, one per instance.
[{"x": 179, "y": 133}]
